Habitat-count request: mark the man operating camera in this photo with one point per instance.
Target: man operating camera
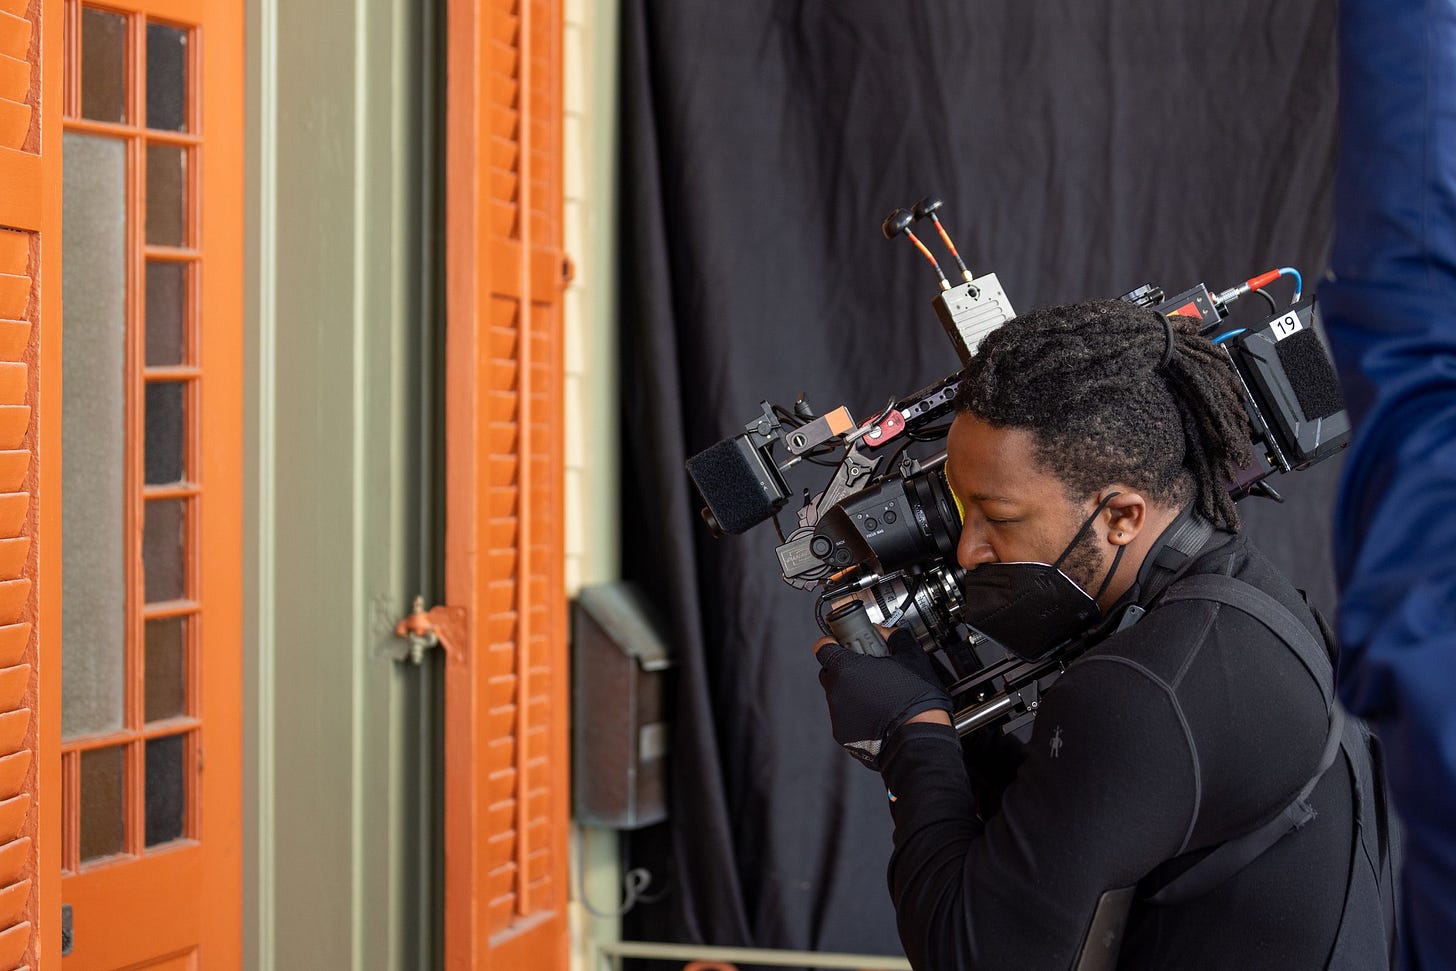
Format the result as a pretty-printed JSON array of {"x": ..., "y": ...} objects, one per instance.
[{"x": 1189, "y": 797}]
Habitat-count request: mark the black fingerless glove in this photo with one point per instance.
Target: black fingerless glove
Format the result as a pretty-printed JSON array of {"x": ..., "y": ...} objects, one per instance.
[{"x": 870, "y": 697}]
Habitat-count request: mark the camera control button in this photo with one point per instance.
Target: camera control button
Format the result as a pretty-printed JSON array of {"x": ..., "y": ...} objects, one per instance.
[
  {"x": 821, "y": 546},
  {"x": 871, "y": 524},
  {"x": 889, "y": 517}
]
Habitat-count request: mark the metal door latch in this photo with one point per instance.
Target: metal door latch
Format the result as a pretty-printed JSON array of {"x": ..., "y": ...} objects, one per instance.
[{"x": 424, "y": 630}]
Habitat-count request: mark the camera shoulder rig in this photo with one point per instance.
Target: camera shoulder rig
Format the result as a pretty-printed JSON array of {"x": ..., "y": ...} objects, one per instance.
[{"x": 877, "y": 539}]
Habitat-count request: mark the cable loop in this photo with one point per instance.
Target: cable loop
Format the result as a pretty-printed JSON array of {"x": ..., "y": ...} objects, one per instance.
[{"x": 1168, "y": 335}]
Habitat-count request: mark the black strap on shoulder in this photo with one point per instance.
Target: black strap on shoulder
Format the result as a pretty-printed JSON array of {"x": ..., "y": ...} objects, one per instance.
[
  {"x": 1233, "y": 855},
  {"x": 1267, "y": 611}
]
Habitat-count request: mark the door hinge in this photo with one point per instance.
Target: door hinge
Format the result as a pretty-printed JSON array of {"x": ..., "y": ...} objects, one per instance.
[
  {"x": 68, "y": 936},
  {"x": 423, "y": 631}
]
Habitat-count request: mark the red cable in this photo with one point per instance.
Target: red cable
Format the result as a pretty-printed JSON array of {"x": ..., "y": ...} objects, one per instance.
[
  {"x": 949, "y": 245},
  {"x": 1263, "y": 280},
  {"x": 929, "y": 258}
]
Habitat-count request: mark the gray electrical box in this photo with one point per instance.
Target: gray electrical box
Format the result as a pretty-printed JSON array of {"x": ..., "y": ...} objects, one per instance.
[{"x": 619, "y": 724}]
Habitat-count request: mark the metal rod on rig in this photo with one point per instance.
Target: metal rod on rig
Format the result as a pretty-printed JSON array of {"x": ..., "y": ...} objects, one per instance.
[
  {"x": 927, "y": 207},
  {"x": 898, "y": 223}
]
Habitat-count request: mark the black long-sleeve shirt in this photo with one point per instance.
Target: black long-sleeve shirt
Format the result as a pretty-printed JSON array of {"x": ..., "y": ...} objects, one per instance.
[{"x": 1169, "y": 737}]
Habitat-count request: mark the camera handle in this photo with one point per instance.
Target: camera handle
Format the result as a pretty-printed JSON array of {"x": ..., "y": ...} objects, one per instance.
[{"x": 852, "y": 628}]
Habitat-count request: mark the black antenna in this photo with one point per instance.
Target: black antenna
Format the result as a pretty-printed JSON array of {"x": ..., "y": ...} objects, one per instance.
[
  {"x": 898, "y": 223},
  {"x": 927, "y": 207}
]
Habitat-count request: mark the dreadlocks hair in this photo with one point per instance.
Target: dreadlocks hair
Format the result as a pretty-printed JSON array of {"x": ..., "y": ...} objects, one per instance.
[{"x": 1089, "y": 381}]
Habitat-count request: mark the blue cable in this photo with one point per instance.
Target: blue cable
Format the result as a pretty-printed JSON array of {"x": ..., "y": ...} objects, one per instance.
[
  {"x": 1233, "y": 333},
  {"x": 1298, "y": 281}
]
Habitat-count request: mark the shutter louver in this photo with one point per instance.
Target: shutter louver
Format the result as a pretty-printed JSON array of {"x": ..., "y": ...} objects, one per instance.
[
  {"x": 21, "y": 217},
  {"x": 18, "y": 251},
  {"x": 506, "y": 781},
  {"x": 16, "y": 74}
]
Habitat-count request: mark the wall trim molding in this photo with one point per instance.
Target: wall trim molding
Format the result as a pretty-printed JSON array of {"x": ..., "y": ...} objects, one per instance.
[{"x": 260, "y": 400}]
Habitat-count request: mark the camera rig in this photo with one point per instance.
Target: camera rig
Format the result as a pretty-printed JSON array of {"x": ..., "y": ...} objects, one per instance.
[{"x": 878, "y": 540}]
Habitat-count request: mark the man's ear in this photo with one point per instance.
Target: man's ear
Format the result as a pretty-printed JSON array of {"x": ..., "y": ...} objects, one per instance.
[{"x": 1126, "y": 515}]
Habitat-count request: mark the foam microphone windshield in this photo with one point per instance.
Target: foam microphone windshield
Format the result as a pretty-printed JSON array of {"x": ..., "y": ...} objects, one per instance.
[
  {"x": 741, "y": 490},
  {"x": 1316, "y": 387}
]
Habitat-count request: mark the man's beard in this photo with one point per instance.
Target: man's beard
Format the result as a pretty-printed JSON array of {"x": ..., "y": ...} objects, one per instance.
[{"x": 1082, "y": 564}]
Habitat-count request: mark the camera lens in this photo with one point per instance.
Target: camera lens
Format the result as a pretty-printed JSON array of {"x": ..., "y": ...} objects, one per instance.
[{"x": 934, "y": 510}]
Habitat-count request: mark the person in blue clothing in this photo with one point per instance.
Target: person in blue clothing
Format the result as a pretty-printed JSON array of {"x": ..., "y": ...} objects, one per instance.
[{"x": 1390, "y": 314}]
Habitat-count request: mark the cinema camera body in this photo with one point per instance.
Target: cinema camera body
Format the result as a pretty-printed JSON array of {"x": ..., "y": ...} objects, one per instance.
[{"x": 878, "y": 540}]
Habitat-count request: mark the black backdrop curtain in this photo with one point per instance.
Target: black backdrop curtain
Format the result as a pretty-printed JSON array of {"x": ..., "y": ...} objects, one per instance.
[{"x": 1082, "y": 149}]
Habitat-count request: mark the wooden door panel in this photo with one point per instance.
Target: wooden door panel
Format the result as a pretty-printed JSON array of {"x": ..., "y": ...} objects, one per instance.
[
  {"x": 176, "y": 962},
  {"x": 163, "y": 888},
  {"x": 116, "y": 910}
]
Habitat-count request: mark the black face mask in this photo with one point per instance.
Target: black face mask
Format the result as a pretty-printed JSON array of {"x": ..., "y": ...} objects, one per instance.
[{"x": 1031, "y": 608}]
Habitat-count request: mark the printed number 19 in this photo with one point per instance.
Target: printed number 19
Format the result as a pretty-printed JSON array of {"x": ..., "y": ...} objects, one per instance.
[{"x": 1286, "y": 325}]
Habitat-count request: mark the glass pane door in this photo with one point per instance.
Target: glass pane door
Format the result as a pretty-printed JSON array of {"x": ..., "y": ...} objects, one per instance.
[
  {"x": 151, "y": 584},
  {"x": 131, "y": 613}
]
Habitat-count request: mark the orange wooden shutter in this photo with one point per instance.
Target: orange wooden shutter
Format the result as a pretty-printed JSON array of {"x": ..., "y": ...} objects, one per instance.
[
  {"x": 506, "y": 812},
  {"x": 29, "y": 251}
]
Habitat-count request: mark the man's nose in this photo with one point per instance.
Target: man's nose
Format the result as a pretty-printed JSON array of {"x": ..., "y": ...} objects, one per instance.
[{"x": 973, "y": 550}]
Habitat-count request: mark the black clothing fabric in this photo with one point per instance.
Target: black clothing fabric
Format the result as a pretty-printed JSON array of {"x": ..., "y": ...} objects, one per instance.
[
  {"x": 1082, "y": 149},
  {"x": 1160, "y": 743}
]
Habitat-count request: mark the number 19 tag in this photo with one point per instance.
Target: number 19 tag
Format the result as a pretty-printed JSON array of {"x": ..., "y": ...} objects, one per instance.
[{"x": 1286, "y": 326}]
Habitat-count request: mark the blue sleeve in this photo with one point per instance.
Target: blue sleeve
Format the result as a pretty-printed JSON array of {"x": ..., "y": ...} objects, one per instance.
[{"x": 1389, "y": 308}]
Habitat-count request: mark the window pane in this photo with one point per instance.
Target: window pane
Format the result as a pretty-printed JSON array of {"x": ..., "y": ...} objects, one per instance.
[
  {"x": 165, "y": 432},
  {"x": 163, "y": 546},
  {"x": 166, "y": 195},
  {"x": 103, "y": 802},
  {"x": 166, "y": 789},
  {"x": 103, "y": 65},
  {"x": 166, "y": 314},
  {"x": 166, "y": 668},
  {"x": 166, "y": 78},
  {"x": 93, "y": 439}
]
